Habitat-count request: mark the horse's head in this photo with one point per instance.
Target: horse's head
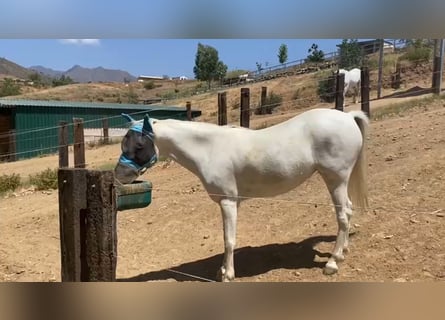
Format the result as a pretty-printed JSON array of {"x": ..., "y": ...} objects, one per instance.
[{"x": 138, "y": 150}]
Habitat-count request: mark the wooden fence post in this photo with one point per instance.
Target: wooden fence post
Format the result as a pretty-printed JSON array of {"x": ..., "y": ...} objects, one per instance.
[
  {"x": 263, "y": 100},
  {"x": 100, "y": 228},
  {"x": 87, "y": 214},
  {"x": 436, "y": 75},
  {"x": 435, "y": 84},
  {"x": 79, "y": 143},
  {"x": 63, "y": 144},
  {"x": 72, "y": 201},
  {"x": 106, "y": 130},
  {"x": 339, "y": 88},
  {"x": 245, "y": 107},
  {"x": 380, "y": 72},
  {"x": 222, "y": 108},
  {"x": 364, "y": 90},
  {"x": 188, "y": 106}
]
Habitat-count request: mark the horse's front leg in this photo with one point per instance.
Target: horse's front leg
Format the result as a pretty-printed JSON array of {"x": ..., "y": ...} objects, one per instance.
[{"x": 229, "y": 208}]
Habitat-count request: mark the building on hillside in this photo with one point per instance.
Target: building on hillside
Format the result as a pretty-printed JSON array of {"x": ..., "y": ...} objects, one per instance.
[
  {"x": 373, "y": 46},
  {"x": 29, "y": 128},
  {"x": 149, "y": 78},
  {"x": 181, "y": 78}
]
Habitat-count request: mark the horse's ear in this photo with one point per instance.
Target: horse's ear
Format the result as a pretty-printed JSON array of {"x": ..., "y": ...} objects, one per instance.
[
  {"x": 128, "y": 117},
  {"x": 147, "y": 128}
]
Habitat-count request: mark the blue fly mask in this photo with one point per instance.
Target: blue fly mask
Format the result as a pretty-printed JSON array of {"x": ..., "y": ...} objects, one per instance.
[{"x": 138, "y": 150}]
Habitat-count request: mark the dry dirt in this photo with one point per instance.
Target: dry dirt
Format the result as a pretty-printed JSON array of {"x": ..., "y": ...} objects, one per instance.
[{"x": 287, "y": 238}]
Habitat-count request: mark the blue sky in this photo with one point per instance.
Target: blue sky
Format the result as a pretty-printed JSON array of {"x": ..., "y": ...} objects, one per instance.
[
  {"x": 160, "y": 37},
  {"x": 172, "y": 57}
]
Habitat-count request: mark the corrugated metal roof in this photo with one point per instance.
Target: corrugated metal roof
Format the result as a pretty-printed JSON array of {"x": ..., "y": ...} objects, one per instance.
[{"x": 73, "y": 104}]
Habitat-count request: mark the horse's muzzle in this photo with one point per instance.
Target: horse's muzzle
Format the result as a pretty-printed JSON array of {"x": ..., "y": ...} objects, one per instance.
[{"x": 125, "y": 174}]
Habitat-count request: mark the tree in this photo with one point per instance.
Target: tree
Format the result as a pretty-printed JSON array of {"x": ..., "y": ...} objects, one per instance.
[
  {"x": 282, "y": 53},
  {"x": 208, "y": 67},
  {"x": 221, "y": 71},
  {"x": 350, "y": 54},
  {"x": 259, "y": 67},
  {"x": 315, "y": 55},
  {"x": 63, "y": 80},
  {"x": 36, "y": 79}
]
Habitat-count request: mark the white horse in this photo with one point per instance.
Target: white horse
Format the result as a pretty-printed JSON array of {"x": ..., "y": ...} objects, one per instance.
[
  {"x": 352, "y": 83},
  {"x": 234, "y": 164}
]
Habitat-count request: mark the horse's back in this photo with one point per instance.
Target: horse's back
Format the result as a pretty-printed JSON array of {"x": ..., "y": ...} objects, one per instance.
[
  {"x": 336, "y": 138},
  {"x": 354, "y": 75}
]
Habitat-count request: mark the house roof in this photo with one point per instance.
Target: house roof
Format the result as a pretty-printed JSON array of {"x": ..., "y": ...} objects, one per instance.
[{"x": 8, "y": 103}]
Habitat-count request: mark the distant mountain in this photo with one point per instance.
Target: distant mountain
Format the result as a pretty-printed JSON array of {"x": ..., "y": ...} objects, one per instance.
[
  {"x": 81, "y": 74},
  {"x": 13, "y": 69},
  {"x": 47, "y": 71}
]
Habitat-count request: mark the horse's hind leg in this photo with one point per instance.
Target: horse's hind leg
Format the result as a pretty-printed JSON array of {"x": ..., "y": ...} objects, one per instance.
[
  {"x": 349, "y": 215},
  {"x": 339, "y": 194},
  {"x": 357, "y": 92},
  {"x": 229, "y": 210}
]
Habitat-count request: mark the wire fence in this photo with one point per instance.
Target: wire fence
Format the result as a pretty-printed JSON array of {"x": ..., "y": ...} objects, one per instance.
[
  {"x": 252, "y": 108},
  {"x": 8, "y": 137}
]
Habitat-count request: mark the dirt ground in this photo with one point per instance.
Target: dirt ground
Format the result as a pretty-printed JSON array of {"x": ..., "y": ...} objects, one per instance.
[{"x": 287, "y": 238}]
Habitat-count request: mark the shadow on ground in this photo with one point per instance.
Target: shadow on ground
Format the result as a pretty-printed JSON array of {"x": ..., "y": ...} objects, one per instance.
[
  {"x": 249, "y": 261},
  {"x": 411, "y": 92}
]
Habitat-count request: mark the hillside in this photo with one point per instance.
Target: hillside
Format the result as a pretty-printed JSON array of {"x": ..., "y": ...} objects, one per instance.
[
  {"x": 296, "y": 91},
  {"x": 11, "y": 69}
]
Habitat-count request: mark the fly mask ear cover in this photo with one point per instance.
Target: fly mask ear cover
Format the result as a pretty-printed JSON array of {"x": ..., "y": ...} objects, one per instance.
[{"x": 146, "y": 130}]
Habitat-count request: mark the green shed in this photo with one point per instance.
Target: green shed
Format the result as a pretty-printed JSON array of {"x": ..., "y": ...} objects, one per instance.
[{"x": 29, "y": 128}]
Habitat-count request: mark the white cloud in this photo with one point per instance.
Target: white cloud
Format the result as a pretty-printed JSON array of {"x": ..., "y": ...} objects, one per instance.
[{"x": 81, "y": 42}]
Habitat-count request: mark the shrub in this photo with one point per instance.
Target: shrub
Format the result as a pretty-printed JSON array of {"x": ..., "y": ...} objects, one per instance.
[
  {"x": 44, "y": 180},
  {"x": 273, "y": 101},
  {"x": 326, "y": 88},
  {"x": 9, "y": 88},
  {"x": 149, "y": 85},
  {"x": 9, "y": 182},
  {"x": 417, "y": 54}
]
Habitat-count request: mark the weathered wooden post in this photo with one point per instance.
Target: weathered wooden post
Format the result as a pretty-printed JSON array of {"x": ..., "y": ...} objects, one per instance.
[
  {"x": 263, "y": 100},
  {"x": 188, "y": 106},
  {"x": 79, "y": 144},
  {"x": 245, "y": 107},
  {"x": 222, "y": 108},
  {"x": 396, "y": 78},
  {"x": 105, "y": 127},
  {"x": 380, "y": 72},
  {"x": 63, "y": 144},
  {"x": 364, "y": 90},
  {"x": 339, "y": 88},
  {"x": 72, "y": 203},
  {"x": 88, "y": 236},
  {"x": 100, "y": 227},
  {"x": 437, "y": 66}
]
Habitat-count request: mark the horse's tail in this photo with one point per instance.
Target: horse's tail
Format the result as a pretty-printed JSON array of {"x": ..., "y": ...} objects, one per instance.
[{"x": 357, "y": 187}]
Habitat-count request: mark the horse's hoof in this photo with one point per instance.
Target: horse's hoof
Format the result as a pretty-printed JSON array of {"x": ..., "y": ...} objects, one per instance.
[
  {"x": 330, "y": 268},
  {"x": 223, "y": 276},
  {"x": 340, "y": 258}
]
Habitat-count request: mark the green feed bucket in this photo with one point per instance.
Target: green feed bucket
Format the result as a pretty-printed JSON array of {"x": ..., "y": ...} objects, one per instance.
[{"x": 134, "y": 195}]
